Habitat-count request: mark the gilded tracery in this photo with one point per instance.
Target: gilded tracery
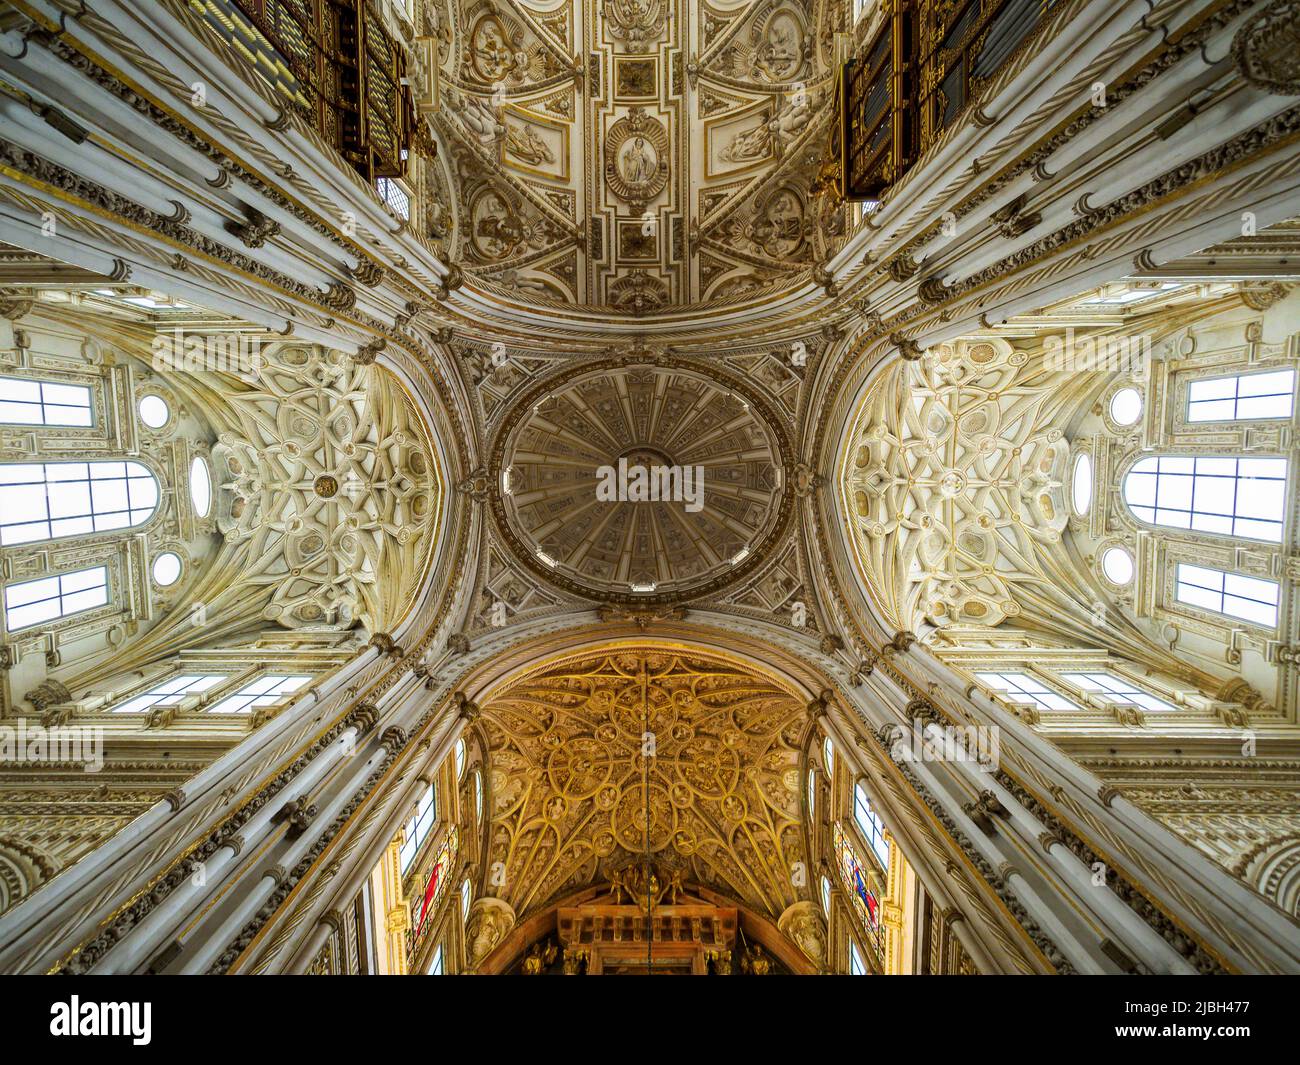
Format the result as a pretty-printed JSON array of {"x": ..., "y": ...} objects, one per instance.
[{"x": 573, "y": 793}]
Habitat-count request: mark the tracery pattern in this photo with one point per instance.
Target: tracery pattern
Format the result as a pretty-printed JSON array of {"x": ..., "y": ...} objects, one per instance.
[
  {"x": 956, "y": 484},
  {"x": 572, "y": 794},
  {"x": 331, "y": 486}
]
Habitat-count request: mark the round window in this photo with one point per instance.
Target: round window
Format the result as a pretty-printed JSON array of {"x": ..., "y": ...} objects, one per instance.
[
  {"x": 200, "y": 487},
  {"x": 167, "y": 568},
  {"x": 1117, "y": 564},
  {"x": 154, "y": 411},
  {"x": 1082, "y": 487},
  {"x": 1126, "y": 406}
]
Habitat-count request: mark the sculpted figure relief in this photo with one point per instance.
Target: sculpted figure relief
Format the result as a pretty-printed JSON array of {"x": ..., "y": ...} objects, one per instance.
[{"x": 637, "y": 161}]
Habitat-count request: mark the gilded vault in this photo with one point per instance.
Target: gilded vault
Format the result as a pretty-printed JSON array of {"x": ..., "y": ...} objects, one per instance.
[
  {"x": 636, "y": 155},
  {"x": 685, "y": 756}
]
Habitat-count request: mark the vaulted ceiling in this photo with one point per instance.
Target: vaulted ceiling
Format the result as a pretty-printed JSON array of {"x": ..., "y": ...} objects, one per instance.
[
  {"x": 552, "y": 450},
  {"x": 576, "y": 787},
  {"x": 634, "y": 155}
]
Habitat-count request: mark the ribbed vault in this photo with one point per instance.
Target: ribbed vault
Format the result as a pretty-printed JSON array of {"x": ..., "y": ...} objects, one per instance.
[{"x": 598, "y": 758}]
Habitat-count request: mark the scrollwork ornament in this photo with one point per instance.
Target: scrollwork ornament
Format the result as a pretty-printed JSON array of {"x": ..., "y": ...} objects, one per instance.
[{"x": 1267, "y": 48}]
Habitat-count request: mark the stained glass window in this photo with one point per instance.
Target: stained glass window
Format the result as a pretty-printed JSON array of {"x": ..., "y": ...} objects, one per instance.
[
  {"x": 856, "y": 885},
  {"x": 436, "y": 884}
]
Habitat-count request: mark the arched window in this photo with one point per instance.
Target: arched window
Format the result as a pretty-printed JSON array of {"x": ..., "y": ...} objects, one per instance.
[
  {"x": 51, "y": 500},
  {"x": 828, "y": 755},
  {"x": 812, "y": 792},
  {"x": 478, "y": 796},
  {"x": 417, "y": 828},
  {"x": 460, "y": 758},
  {"x": 858, "y": 884},
  {"x": 872, "y": 828},
  {"x": 1213, "y": 494},
  {"x": 435, "y": 966},
  {"x": 466, "y": 897},
  {"x": 857, "y": 963},
  {"x": 826, "y": 896}
]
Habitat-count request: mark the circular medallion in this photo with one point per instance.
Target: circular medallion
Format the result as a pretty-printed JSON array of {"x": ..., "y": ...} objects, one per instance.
[
  {"x": 636, "y": 157},
  {"x": 491, "y": 55},
  {"x": 1267, "y": 49},
  {"x": 495, "y": 228},
  {"x": 640, "y": 484}
]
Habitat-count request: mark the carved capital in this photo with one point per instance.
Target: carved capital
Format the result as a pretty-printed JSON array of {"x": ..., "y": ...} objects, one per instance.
[
  {"x": 466, "y": 709},
  {"x": 47, "y": 694}
]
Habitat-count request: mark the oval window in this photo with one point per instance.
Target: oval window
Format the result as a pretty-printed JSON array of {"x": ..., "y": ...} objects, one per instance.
[
  {"x": 200, "y": 487},
  {"x": 1126, "y": 406},
  {"x": 154, "y": 411},
  {"x": 1117, "y": 564},
  {"x": 167, "y": 568},
  {"x": 1082, "y": 489}
]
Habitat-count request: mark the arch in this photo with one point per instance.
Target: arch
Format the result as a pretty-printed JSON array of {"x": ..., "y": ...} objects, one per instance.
[
  {"x": 1273, "y": 869},
  {"x": 494, "y": 665},
  {"x": 1223, "y": 495},
  {"x": 24, "y": 867}
]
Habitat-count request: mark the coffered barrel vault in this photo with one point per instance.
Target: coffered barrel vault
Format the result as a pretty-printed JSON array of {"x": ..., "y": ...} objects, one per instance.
[{"x": 638, "y": 155}]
